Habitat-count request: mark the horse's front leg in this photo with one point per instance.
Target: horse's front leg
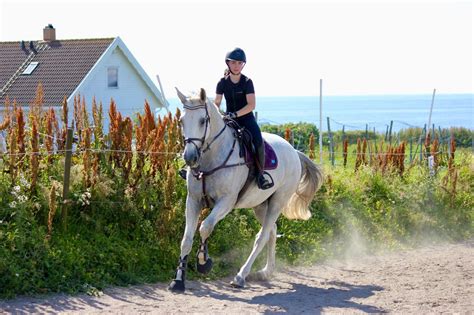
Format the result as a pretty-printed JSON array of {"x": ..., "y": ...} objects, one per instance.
[
  {"x": 193, "y": 207},
  {"x": 221, "y": 209}
]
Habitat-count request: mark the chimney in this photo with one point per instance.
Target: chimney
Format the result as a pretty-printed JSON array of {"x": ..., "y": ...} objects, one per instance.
[{"x": 49, "y": 33}]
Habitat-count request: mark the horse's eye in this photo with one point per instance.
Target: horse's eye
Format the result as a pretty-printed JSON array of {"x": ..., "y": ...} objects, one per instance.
[{"x": 202, "y": 121}]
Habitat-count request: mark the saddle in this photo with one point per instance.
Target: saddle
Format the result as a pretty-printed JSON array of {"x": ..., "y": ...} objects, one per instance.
[{"x": 249, "y": 153}]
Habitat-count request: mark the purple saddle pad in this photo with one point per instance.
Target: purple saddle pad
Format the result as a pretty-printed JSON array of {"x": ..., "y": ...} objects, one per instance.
[{"x": 271, "y": 160}]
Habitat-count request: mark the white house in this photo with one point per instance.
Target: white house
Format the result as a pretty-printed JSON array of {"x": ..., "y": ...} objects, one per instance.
[{"x": 103, "y": 68}]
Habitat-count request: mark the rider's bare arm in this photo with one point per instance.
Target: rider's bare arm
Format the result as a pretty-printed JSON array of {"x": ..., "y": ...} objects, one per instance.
[
  {"x": 218, "y": 100},
  {"x": 249, "y": 107}
]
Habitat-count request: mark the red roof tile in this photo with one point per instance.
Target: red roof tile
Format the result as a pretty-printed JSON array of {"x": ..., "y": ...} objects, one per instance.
[{"x": 62, "y": 66}]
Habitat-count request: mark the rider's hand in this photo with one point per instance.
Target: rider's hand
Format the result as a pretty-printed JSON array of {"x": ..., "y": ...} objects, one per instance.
[{"x": 230, "y": 115}]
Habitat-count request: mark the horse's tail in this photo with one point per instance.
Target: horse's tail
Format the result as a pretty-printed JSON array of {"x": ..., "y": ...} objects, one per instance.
[{"x": 311, "y": 180}]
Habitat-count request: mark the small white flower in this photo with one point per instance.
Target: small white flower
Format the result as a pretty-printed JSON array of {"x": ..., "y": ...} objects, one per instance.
[
  {"x": 22, "y": 198},
  {"x": 16, "y": 190},
  {"x": 12, "y": 204},
  {"x": 24, "y": 182},
  {"x": 17, "y": 275}
]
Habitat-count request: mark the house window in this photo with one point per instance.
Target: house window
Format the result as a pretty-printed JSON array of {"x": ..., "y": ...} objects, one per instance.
[{"x": 112, "y": 77}]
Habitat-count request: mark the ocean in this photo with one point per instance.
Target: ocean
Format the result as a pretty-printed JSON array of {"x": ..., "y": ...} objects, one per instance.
[{"x": 376, "y": 111}]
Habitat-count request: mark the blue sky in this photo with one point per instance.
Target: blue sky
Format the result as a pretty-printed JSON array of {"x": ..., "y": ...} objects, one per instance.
[{"x": 382, "y": 47}]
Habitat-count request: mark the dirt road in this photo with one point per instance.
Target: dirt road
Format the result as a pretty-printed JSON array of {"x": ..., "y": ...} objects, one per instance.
[{"x": 432, "y": 279}]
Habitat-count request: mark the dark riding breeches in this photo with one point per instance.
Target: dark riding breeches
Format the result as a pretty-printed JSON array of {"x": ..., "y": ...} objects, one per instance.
[{"x": 249, "y": 122}]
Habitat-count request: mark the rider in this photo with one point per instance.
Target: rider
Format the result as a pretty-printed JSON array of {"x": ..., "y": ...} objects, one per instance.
[{"x": 239, "y": 95}]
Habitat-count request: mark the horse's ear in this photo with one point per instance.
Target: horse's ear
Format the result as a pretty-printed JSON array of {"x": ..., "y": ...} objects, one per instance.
[
  {"x": 181, "y": 96},
  {"x": 202, "y": 95}
]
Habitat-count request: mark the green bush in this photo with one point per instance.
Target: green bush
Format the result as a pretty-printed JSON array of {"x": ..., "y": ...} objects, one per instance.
[{"x": 119, "y": 236}]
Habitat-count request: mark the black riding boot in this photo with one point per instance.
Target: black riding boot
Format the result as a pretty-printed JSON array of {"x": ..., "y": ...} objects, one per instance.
[{"x": 262, "y": 182}]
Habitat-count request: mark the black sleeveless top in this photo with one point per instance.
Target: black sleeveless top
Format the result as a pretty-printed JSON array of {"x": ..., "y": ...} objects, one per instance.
[{"x": 235, "y": 93}]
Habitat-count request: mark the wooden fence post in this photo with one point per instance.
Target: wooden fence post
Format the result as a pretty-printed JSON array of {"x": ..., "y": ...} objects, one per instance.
[
  {"x": 375, "y": 142},
  {"x": 390, "y": 132},
  {"x": 331, "y": 144},
  {"x": 67, "y": 174}
]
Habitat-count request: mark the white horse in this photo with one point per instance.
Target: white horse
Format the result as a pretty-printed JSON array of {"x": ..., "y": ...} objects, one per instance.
[{"x": 212, "y": 157}]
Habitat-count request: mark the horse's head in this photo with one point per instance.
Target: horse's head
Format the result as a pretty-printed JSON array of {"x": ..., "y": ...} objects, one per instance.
[{"x": 195, "y": 123}]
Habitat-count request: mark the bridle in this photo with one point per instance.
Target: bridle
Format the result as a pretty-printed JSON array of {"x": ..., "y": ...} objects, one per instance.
[{"x": 199, "y": 149}]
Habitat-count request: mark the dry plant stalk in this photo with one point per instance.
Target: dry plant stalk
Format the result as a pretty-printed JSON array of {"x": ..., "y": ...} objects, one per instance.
[
  {"x": 427, "y": 144},
  {"x": 20, "y": 136},
  {"x": 36, "y": 108},
  {"x": 97, "y": 116},
  {"x": 49, "y": 134},
  {"x": 452, "y": 175},
  {"x": 127, "y": 139},
  {"x": 12, "y": 145},
  {"x": 84, "y": 114},
  {"x": 179, "y": 131},
  {"x": 311, "y": 146},
  {"x": 78, "y": 119},
  {"x": 288, "y": 134},
  {"x": 61, "y": 134},
  {"x": 157, "y": 158},
  {"x": 344, "y": 151},
  {"x": 34, "y": 160},
  {"x": 358, "y": 155},
  {"x": 435, "y": 153},
  {"x": 86, "y": 156},
  {"x": 115, "y": 132},
  {"x": 364, "y": 152},
  {"x": 52, "y": 210},
  {"x": 400, "y": 158},
  {"x": 149, "y": 119}
]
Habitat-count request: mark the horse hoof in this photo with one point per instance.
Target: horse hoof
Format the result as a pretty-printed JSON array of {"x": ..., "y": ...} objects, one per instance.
[
  {"x": 177, "y": 286},
  {"x": 238, "y": 282},
  {"x": 206, "y": 267}
]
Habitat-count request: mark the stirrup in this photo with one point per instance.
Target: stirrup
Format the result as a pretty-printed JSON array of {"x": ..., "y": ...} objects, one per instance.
[
  {"x": 263, "y": 183},
  {"x": 183, "y": 173}
]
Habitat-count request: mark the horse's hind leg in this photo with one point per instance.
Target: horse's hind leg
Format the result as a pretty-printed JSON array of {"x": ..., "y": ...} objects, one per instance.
[
  {"x": 265, "y": 273},
  {"x": 263, "y": 236}
]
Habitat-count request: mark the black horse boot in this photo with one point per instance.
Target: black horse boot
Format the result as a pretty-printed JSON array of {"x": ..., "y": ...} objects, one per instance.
[
  {"x": 202, "y": 255},
  {"x": 262, "y": 182},
  {"x": 177, "y": 285}
]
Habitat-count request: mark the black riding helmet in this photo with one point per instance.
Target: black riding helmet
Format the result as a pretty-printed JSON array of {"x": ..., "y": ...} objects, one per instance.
[{"x": 236, "y": 54}]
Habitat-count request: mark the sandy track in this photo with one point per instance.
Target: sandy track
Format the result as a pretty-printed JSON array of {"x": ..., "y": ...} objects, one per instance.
[{"x": 432, "y": 279}]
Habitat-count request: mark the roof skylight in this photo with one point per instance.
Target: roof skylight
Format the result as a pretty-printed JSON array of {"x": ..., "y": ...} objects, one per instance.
[{"x": 31, "y": 67}]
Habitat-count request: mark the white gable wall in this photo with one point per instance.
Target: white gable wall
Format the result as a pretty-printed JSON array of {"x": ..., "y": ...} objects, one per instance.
[{"x": 131, "y": 92}]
